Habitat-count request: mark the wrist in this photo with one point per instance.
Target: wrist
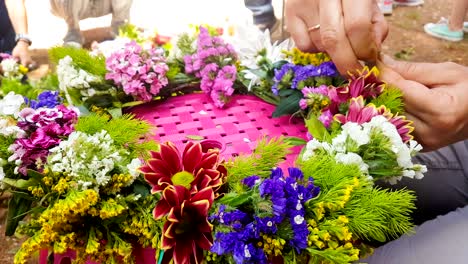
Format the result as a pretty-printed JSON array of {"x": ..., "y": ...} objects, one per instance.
[{"x": 23, "y": 38}]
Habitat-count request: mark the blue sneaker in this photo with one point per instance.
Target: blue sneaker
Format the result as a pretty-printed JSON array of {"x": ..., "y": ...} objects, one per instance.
[{"x": 441, "y": 30}]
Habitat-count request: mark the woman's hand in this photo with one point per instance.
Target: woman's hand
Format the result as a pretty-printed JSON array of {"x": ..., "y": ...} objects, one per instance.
[
  {"x": 436, "y": 99},
  {"x": 349, "y": 30},
  {"x": 21, "y": 52}
]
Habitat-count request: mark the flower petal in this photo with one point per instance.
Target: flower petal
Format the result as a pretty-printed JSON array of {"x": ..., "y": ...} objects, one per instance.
[
  {"x": 162, "y": 208},
  {"x": 192, "y": 156},
  {"x": 204, "y": 242},
  {"x": 170, "y": 154},
  {"x": 183, "y": 250}
]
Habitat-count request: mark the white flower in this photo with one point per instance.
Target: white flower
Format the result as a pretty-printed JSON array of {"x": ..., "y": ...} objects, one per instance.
[
  {"x": 352, "y": 158},
  {"x": 298, "y": 219},
  {"x": 11, "y": 104},
  {"x": 10, "y": 68},
  {"x": 133, "y": 167},
  {"x": 7, "y": 128},
  {"x": 298, "y": 205},
  {"x": 250, "y": 42},
  {"x": 356, "y": 133},
  {"x": 247, "y": 252}
]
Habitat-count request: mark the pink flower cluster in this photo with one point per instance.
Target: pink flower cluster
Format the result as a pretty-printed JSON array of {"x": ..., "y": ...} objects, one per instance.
[
  {"x": 213, "y": 63},
  {"x": 44, "y": 128},
  {"x": 141, "y": 73}
]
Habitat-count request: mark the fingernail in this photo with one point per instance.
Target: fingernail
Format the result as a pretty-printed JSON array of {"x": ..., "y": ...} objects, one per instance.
[{"x": 388, "y": 60}]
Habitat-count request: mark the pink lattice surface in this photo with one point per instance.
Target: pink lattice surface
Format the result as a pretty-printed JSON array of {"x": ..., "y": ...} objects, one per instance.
[{"x": 238, "y": 126}]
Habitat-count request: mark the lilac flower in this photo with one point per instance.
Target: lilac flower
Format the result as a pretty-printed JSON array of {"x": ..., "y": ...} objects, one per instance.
[
  {"x": 141, "y": 73},
  {"x": 212, "y": 63}
]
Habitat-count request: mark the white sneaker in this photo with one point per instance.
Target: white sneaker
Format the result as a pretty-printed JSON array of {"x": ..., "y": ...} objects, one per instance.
[
  {"x": 386, "y": 6},
  {"x": 465, "y": 26}
]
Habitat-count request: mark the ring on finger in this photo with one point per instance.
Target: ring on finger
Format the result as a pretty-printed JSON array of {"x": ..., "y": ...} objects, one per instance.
[{"x": 313, "y": 28}]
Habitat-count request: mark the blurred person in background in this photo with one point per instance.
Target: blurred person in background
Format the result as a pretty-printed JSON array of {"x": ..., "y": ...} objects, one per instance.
[
  {"x": 264, "y": 18},
  {"x": 72, "y": 11},
  {"x": 14, "y": 37}
]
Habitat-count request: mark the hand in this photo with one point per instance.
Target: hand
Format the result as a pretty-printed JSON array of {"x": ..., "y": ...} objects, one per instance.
[
  {"x": 21, "y": 52},
  {"x": 436, "y": 99},
  {"x": 349, "y": 30}
]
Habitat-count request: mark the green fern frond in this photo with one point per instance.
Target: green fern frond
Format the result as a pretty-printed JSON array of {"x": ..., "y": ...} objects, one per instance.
[
  {"x": 266, "y": 156},
  {"x": 392, "y": 98},
  {"x": 126, "y": 131},
  {"x": 95, "y": 65},
  {"x": 380, "y": 214}
]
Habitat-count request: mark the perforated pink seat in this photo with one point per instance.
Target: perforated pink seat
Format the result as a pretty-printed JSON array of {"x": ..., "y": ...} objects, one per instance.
[{"x": 238, "y": 126}]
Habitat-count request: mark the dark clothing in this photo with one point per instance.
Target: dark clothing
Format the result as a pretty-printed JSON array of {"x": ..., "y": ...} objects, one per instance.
[
  {"x": 444, "y": 187},
  {"x": 263, "y": 12},
  {"x": 7, "y": 33}
]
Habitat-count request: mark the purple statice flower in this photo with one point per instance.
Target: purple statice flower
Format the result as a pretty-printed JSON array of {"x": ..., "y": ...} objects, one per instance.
[
  {"x": 246, "y": 230},
  {"x": 44, "y": 128},
  {"x": 251, "y": 181},
  {"x": 47, "y": 99},
  {"x": 141, "y": 73},
  {"x": 213, "y": 63},
  {"x": 283, "y": 77},
  {"x": 305, "y": 74}
]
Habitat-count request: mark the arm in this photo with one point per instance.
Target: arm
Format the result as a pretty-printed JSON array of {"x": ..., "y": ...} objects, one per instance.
[{"x": 19, "y": 20}]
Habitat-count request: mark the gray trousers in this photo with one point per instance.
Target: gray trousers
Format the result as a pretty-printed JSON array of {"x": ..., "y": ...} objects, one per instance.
[
  {"x": 442, "y": 202},
  {"x": 263, "y": 12},
  {"x": 75, "y": 10}
]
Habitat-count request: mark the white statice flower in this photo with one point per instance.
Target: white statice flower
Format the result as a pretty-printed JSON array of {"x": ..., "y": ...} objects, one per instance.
[
  {"x": 314, "y": 145},
  {"x": 352, "y": 158},
  {"x": 88, "y": 158},
  {"x": 8, "y": 128},
  {"x": 133, "y": 168},
  {"x": 250, "y": 43},
  {"x": 108, "y": 47},
  {"x": 71, "y": 77},
  {"x": 11, "y": 68},
  {"x": 357, "y": 133},
  {"x": 11, "y": 104}
]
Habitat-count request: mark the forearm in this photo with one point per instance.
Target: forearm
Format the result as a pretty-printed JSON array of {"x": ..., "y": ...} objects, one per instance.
[{"x": 18, "y": 16}]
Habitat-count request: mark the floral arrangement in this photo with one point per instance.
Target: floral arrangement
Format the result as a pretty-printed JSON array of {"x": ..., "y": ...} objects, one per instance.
[{"x": 90, "y": 180}]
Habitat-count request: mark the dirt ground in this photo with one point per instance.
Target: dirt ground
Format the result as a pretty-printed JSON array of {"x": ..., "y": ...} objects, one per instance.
[{"x": 406, "y": 41}]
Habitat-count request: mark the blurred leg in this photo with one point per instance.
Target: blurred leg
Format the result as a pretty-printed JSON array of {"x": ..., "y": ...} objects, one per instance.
[
  {"x": 444, "y": 187},
  {"x": 71, "y": 11},
  {"x": 120, "y": 13},
  {"x": 442, "y": 240},
  {"x": 263, "y": 13},
  {"x": 457, "y": 15}
]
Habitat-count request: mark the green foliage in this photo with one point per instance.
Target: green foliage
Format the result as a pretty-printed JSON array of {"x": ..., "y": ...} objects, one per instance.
[
  {"x": 265, "y": 157},
  {"x": 82, "y": 59},
  {"x": 377, "y": 214},
  {"x": 132, "y": 32},
  {"x": 330, "y": 255},
  {"x": 289, "y": 102},
  {"x": 392, "y": 98},
  {"x": 126, "y": 131},
  {"x": 16, "y": 86},
  {"x": 373, "y": 213},
  {"x": 49, "y": 82},
  {"x": 185, "y": 44},
  {"x": 8, "y": 168}
]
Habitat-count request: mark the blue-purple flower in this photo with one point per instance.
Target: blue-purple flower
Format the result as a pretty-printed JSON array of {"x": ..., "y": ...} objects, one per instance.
[{"x": 47, "y": 99}]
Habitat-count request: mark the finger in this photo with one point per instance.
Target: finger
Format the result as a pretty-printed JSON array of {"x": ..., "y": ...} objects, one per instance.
[
  {"x": 418, "y": 98},
  {"x": 421, "y": 132},
  {"x": 358, "y": 28},
  {"x": 428, "y": 74},
  {"x": 312, "y": 20},
  {"x": 334, "y": 37},
  {"x": 298, "y": 30},
  {"x": 380, "y": 25}
]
